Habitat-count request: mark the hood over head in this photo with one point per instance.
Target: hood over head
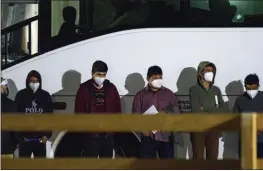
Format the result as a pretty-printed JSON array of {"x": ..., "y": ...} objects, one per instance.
[
  {"x": 200, "y": 68},
  {"x": 36, "y": 74}
]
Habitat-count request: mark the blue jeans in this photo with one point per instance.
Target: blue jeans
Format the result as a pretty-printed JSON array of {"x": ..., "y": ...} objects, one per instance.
[{"x": 149, "y": 149}]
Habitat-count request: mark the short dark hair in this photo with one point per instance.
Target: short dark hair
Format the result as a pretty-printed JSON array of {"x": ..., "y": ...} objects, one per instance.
[
  {"x": 69, "y": 13},
  {"x": 154, "y": 70},
  {"x": 99, "y": 66},
  {"x": 251, "y": 79}
]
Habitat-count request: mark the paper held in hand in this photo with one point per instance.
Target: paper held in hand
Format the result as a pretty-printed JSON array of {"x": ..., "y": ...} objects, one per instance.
[{"x": 151, "y": 111}]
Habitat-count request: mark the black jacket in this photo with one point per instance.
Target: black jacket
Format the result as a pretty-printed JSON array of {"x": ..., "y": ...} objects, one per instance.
[
  {"x": 8, "y": 138},
  {"x": 29, "y": 102}
]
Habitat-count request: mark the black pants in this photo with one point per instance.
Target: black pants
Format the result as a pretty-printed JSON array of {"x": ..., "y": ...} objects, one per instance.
[
  {"x": 27, "y": 148},
  {"x": 101, "y": 145},
  {"x": 150, "y": 147}
]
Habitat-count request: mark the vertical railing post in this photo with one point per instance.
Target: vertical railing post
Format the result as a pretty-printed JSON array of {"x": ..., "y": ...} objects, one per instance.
[
  {"x": 30, "y": 38},
  {"x": 6, "y": 48},
  {"x": 249, "y": 141}
]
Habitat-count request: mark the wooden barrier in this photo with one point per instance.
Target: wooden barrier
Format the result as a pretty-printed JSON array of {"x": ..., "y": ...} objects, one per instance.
[{"x": 123, "y": 123}]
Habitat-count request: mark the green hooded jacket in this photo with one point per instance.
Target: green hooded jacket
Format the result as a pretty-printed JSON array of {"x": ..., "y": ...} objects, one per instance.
[{"x": 203, "y": 100}]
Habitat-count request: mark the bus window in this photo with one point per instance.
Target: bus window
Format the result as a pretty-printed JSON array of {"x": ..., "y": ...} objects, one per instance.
[
  {"x": 249, "y": 7},
  {"x": 57, "y": 19},
  {"x": 244, "y": 7},
  {"x": 98, "y": 17},
  {"x": 104, "y": 14},
  {"x": 110, "y": 14},
  {"x": 116, "y": 15}
]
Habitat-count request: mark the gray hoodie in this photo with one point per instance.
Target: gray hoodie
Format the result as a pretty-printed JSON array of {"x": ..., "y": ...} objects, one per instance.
[{"x": 200, "y": 97}]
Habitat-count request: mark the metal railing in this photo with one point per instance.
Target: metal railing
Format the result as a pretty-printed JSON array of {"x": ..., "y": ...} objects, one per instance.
[
  {"x": 9, "y": 30},
  {"x": 248, "y": 124}
]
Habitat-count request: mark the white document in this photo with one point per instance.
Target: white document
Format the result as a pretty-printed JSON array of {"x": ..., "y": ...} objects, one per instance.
[
  {"x": 151, "y": 111},
  {"x": 49, "y": 151},
  {"x": 216, "y": 99}
]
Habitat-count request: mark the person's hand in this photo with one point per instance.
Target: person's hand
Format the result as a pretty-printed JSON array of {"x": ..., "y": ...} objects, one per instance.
[
  {"x": 161, "y": 111},
  {"x": 44, "y": 139},
  {"x": 147, "y": 134},
  {"x": 202, "y": 108}
]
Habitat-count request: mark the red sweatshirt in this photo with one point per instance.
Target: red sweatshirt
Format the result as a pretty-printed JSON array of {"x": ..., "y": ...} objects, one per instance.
[{"x": 90, "y": 99}]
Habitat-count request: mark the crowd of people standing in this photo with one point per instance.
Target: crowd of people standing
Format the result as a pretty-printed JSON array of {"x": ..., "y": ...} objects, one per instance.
[{"x": 99, "y": 95}]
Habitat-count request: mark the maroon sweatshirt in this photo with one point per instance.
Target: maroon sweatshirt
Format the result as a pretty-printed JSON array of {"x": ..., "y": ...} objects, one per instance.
[{"x": 90, "y": 99}]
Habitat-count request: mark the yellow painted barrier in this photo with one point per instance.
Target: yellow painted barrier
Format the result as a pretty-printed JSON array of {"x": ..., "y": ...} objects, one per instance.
[{"x": 248, "y": 124}]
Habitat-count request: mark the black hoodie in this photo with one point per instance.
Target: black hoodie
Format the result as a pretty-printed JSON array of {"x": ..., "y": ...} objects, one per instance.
[
  {"x": 8, "y": 138},
  {"x": 29, "y": 102},
  {"x": 245, "y": 104}
]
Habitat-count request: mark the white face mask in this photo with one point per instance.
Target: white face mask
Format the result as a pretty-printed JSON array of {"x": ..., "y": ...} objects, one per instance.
[
  {"x": 34, "y": 86},
  {"x": 99, "y": 80},
  {"x": 157, "y": 83},
  {"x": 209, "y": 76},
  {"x": 252, "y": 93}
]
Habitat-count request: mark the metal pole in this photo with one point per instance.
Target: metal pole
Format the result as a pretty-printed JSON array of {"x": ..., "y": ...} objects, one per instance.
[
  {"x": 6, "y": 49},
  {"x": 90, "y": 14},
  {"x": 29, "y": 39}
]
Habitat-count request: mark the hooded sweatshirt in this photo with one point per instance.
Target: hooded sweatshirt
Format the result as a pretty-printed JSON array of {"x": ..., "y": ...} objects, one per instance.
[
  {"x": 200, "y": 97},
  {"x": 89, "y": 99},
  {"x": 8, "y": 138},
  {"x": 29, "y": 102},
  {"x": 245, "y": 104}
]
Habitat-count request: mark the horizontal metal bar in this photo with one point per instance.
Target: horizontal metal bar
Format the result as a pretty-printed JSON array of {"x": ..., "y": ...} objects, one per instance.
[
  {"x": 116, "y": 164},
  {"x": 19, "y": 25},
  {"x": 122, "y": 122}
]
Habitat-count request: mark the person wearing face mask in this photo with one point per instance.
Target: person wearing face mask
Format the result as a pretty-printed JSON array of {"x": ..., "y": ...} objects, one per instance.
[
  {"x": 33, "y": 100},
  {"x": 205, "y": 97},
  {"x": 251, "y": 101},
  {"x": 165, "y": 101},
  {"x": 8, "y": 138},
  {"x": 98, "y": 95}
]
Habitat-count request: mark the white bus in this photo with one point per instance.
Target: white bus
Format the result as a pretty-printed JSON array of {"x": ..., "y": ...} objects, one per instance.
[{"x": 130, "y": 36}]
